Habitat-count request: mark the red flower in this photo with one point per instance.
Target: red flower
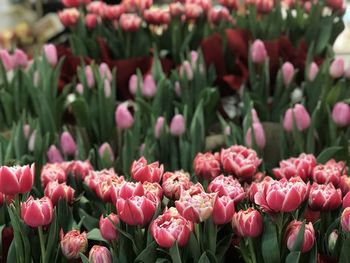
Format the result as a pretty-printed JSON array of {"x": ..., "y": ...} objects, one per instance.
[
  {"x": 206, "y": 166},
  {"x": 324, "y": 197},
  {"x": 69, "y": 17},
  {"x": 17, "y": 179},
  {"x": 227, "y": 186},
  {"x": 247, "y": 223},
  {"x": 330, "y": 172},
  {"x": 100, "y": 254},
  {"x": 223, "y": 210},
  {"x": 79, "y": 169},
  {"x": 345, "y": 220},
  {"x": 174, "y": 182},
  {"x": 108, "y": 227},
  {"x": 142, "y": 172},
  {"x": 37, "y": 212},
  {"x": 56, "y": 191},
  {"x": 73, "y": 243},
  {"x": 75, "y": 3},
  {"x": 154, "y": 189},
  {"x": 52, "y": 172},
  {"x": 292, "y": 234}
]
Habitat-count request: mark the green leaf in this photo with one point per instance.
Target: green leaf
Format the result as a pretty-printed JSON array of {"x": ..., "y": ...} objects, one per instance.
[
  {"x": 175, "y": 254},
  {"x": 293, "y": 257},
  {"x": 12, "y": 255},
  {"x": 270, "y": 244},
  {"x": 222, "y": 247},
  {"x": 344, "y": 253},
  {"x": 84, "y": 259},
  {"x": 148, "y": 254},
  {"x": 300, "y": 239},
  {"x": 95, "y": 234},
  {"x": 89, "y": 221},
  {"x": 328, "y": 153}
]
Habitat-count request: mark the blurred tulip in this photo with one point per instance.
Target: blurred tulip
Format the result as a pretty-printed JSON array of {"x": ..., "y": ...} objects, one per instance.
[
  {"x": 100, "y": 254},
  {"x": 50, "y": 53},
  {"x": 292, "y": 232},
  {"x": 247, "y": 223},
  {"x": 149, "y": 88},
  {"x": 105, "y": 72},
  {"x": 31, "y": 141},
  {"x": 206, "y": 166},
  {"x": 297, "y": 115},
  {"x": 230, "y": 4},
  {"x": 133, "y": 82},
  {"x": 89, "y": 75},
  {"x": 297, "y": 95},
  {"x": 336, "y": 69},
  {"x": 186, "y": 70},
  {"x": 96, "y": 8},
  {"x": 177, "y": 125},
  {"x": 193, "y": 11},
  {"x": 313, "y": 70},
  {"x": 141, "y": 171},
  {"x": 91, "y": 21},
  {"x": 73, "y": 243},
  {"x": 259, "y": 135},
  {"x": 113, "y": 12},
  {"x": 105, "y": 150},
  {"x": 336, "y": 5},
  {"x": 79, "y": 88},
  {"x": 108, "y": 227},
  {"x": 287, "y": 73},
  {"x": 157, "y": 16},
  {"x": 75, "y": 3},
  {"x": 324, "y": 197},
  {"x": 6, "y": 59},
  {"x": 37, "y": 212},
  {"x": 16, "y": 179},
  {"x": 123, "y": 117},
  {"x": 79, "y": 169},
  {"x": 345, "y": 220},
  {"x": 130, "y": 22},
  {"x": 107, "y": 88},
  {"x": 68, "y": 144},
  {"x": 20, "y": 59},
  {"x": 341, "y": 114},
  {"x": 264, "y": 6},
  {"x": 258, "y": 52},
  {"x": 159, "y": 126},
  {"x": 69, "y": 17},
  {"x": 330, "y": 172},
  {"x": 56, "y": 191},
  {"x": 52, "y": 172}
]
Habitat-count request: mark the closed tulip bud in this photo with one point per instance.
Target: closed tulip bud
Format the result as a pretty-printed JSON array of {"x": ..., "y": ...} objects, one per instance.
[
  {"x": 107, "y": 88},
  {"x": 73, "y": 243},
  {"x": 186, "y": 70},
  {"x": 258, "y": 52},
  {"x": 332, "y": 240},
  {"x": 37, "y": 212},
  {"x": 91, "y": 21},
  {"x": 341, "y": 114},
  {"x": 26, "y": 131},
  {"x": 292, "y": 234},
  {"x": 177, "y": 125},
  {"x": 313, "y": 70},
  {"x": 133, "y": 82},
  {"x": 324, "y": 197},
  {"x": 54, "y": 155},
  {"x": 105, "y": 72},
  {"x": 6, "y": 60},
  {"x": 20, "y": 59},
  {"x": 206, "y": 166},
  {"x": 297, "y": 115},
  {"x": 248, "y": 223},
  {"x": 100, "y": 254},
  {"x": 297, "y": 95},
  {"x": 130, "y": 22},
  {"x": 141, "y": 171},
  {"x": 287, "y": 73},
  {"x": 227, "y": 186},
  {"x": 89, "y": 75},
  {"x": 16, "y": 180},
  {"x": 69, "y": 17},
  {"x": 105, "y": 151},
  {"x": 79, "y": 88},
  {"x": 336, "y": 69},
  {"x": 177, "y": 88},
  {"x": 56, "y": 191},
  {"x": 159, "y": 126},
  {"x": 68, "y": 144},
  {"x": 223, "y": 210},
  {"x": 259, "y": 135},
  {"x": 108, "y": 227},
  {"x": 149, "y": 87},
  {"x": 52, "y": 172},
  {"x": 137, "y": 210},
  {"x": 345, "y": 220},
  {"x": 193, "y": 11},
  {"x": 31, "y": 142},
  {"x": 171, "y": 227},
  {"x": 50, "y": 53},
  {"x": 123, "y": 117}
]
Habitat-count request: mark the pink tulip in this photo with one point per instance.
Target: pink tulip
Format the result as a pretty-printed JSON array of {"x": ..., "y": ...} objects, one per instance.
[
  {"x": 313, "y": 70},
  {"x": 336, "y": 69},
  {"x": 287, "y": 73},
  {"x": 206, "y": 166},
  {"x": 20, "y": 59},
  {"x": 68, "y": 144},
  {"x": 346, "y": 200},
  {"x": 153, "y": 189},
  {"x": 31, "y": 141},
  {"x": 227, "y": 186},
  {"x": 73, "y": 243},
  {"x": 133, "y": 82},
  {"x": 301, "y": 166},
  {"x": 105, "y": 72},
  {"x": 258, "y": 52},
  {"x": 136, "y": 210},
  {"x": 264, "y": 6},
  {"x": 149, "y": 88},
  {"x": 79, "y": 169},
  {"x": 108, "y": 227},
  {"x": 17, "y": 179},
  {"x": 230, "y": 4},
  {"x": 52, "y": 173},
  {"x": 91, "y": 21},
  {"x": 292, "y": 232},
  {"x": 50, "y": 53},
  {"x": 247, "y": 223},
  {"x": 329, "y": 172},
  {"x": 56, "y": 191},
  {"x": 89, "y": 75},
  {"x": 113, "y": 12},
  {"x": 176, "y": 9},
  {"x": 171, "y": 227},
  {"x": 345, "y": 220},
  {"x": 69, "y": 17},
  {"x": 107, "y": 88},
  {"x": 97, "y": 8},
  {"x": 123, "y": 117},
  {"x": 341, "y": 114},
  {"x": 281, "y": 196},
  {"x": 173, "y": 183},
  {"x": 223, "y": 210},
  {"x": 100, "y": 254},
  {"x": 324, "y": 197},
  {"x": 130, "y": 189},
  {"x": 344, "y": 184},
  {"x": 297, "y": 115},
  {"x": 130, "y": 22},
  {"x": 186, "y": 70},
  {"x": 37, "y": 212},
  {"x": 137, "y": 5},
  {"x": 177, "y": 88},
  {"x": 107, "y": 189},
  {"x": 79, "y": 88},
  {"x": 218, "y": 14},
  {"x": 75, "y": 3},
  {"x": 259, "y": 135},
  {"x": 6, "y": 60},
  {"x": 141, "y": 171},
  {"x": 336, "y": 5},
  {"x": 159, "y": 126},
  {"x": 240, "y": 161},
  {"x": 177, "y": 125},
  {"x": 157, "y": 16},
  {"x": 106, "y": 150}
]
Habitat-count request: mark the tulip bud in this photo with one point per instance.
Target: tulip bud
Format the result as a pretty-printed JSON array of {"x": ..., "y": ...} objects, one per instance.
[
  {"x": 91, "y": 21},
  {"x": 223, "y": 210},
  {"x": 287, "y": 73},
  {"x": 105, "y": 72},
  {"x": 108, "y": 227},
  {"x": 247, "y": 223},
  {"x": 69, "y": 17},
  {"x": 258, "y": 52},
  {"x": 68, "y": 144},
  {"x": 130, "y": 22},
  {"x": 332, "y": 240},
  {"x": 31, "y": 142},
  {"x": 6, "y": 60},
  {"x": 100, "y": 254},
  {"x": 292, "y": 234},
  {"x": 20, "y": 59},
  {"x": 313, "y": 70},
  {"x": 133, "y": 82},
  {"x": 177, "y": 125},
  {"x": 73, "y": 243},
  {"x": 186, "y": 70},
  {"x": 50, "y": 53},
  {"x": 159, "y": 126},
  {"x": 105, "y": 151},
  {"x": 107, "y": 88},
  {"x": 297, "y": 115},
  {"x": 16, "y": 180},
  {"x": 79, "y": 88},
  {"x": 341, "y": 114},
  {"x": 259, "y": 135},
  {"x": 37, "y": 212},
  {"x": 123, "y": 117},
  {"x": 54, "y": 155},
  {"x": 177, "y": 88},
  {"x": 336, "y": 70},
  {"x": 89, "y": 75},
  {"x": 149, "y": 87},
  {"x": 56, "y": 191},
  {"x": 227, "y": 130},
  {"x": 345, "y": 220},
  {"x": 297, "y": 95}
]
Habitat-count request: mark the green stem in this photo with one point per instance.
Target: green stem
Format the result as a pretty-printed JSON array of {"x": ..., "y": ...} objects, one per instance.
[
  {"x": 197, "y": 233},
  {"x": 18, "y": 204},
  {"x": 252, "y": 250},
  {"x": 42, "y": 244}
]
